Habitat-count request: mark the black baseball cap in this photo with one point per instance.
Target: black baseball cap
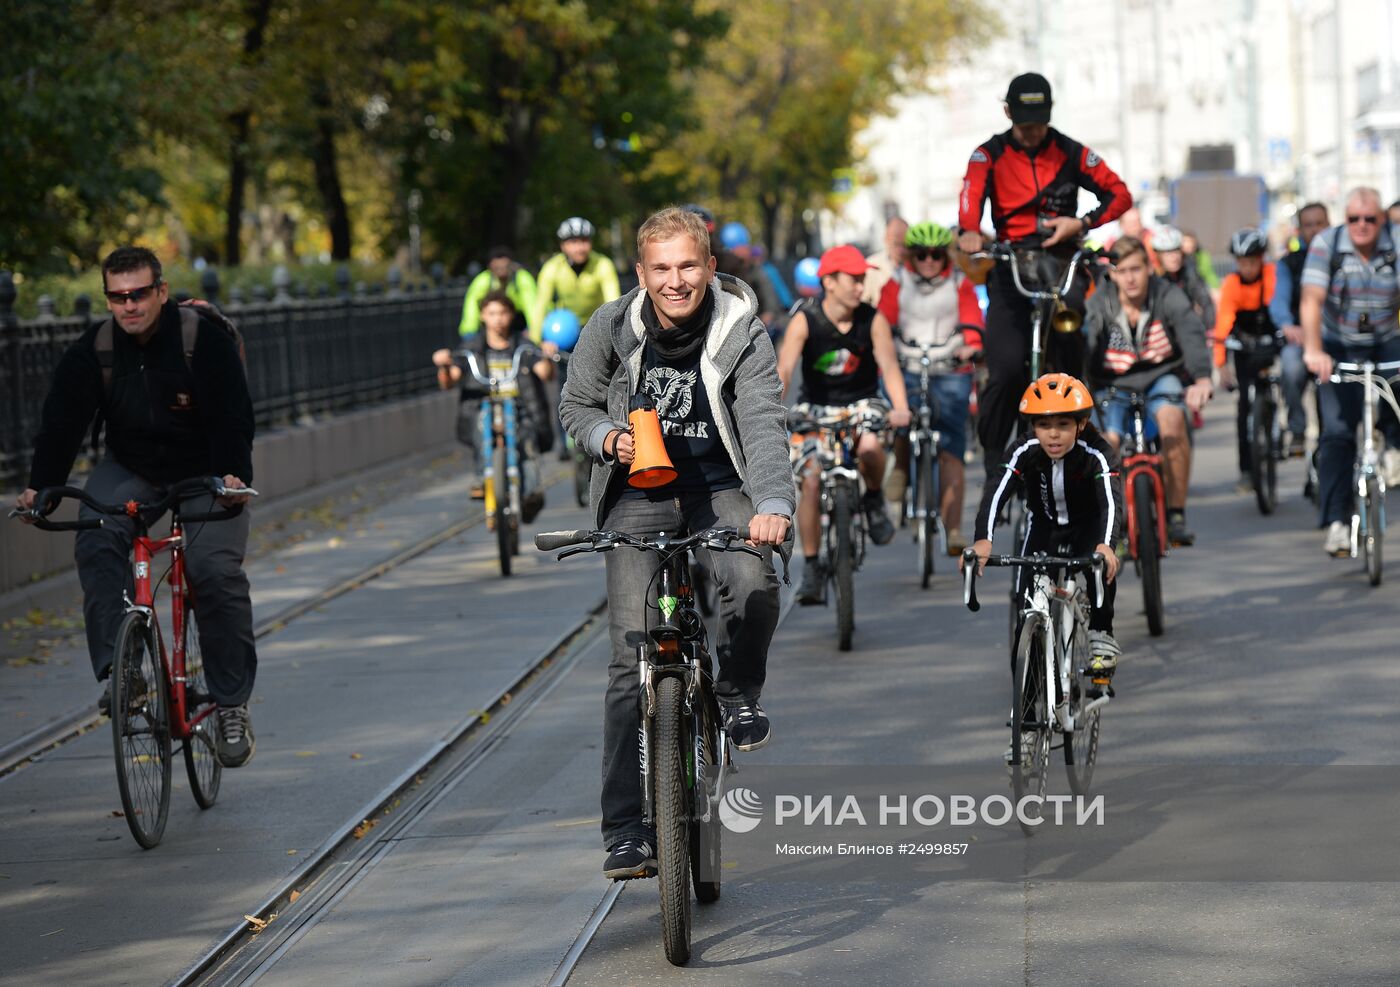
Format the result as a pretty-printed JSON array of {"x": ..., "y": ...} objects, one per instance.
[{"x": 1028, "y": 98}]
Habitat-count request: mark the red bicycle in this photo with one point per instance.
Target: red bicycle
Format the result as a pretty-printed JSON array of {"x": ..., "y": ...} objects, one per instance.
[
  {"x": 1145, "y": 504},
  {"x": 157, "y": 696}
]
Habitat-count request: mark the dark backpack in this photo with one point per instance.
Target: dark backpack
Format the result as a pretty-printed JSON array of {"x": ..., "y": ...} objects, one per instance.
[{"x": 190, "y": 313}]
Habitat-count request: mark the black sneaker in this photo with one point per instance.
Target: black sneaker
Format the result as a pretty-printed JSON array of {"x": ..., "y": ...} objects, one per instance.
[
  {"x": 810, "y": 591},
  {"x": 746, "y": 723},
  {"x": 881, "y": 527},
  {"x": 531, "y": 505},
  {"x": 104, "y": 701},
  {"x": 235, "y": 736},
  {"x": 631, "y": 856},
  {"x": 1177, "y": 532},
  {"x": 1297, "y": 447}
]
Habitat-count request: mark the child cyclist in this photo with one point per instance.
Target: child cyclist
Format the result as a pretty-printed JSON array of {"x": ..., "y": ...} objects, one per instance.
[
  {"x": 494, "y": 349},
  {"x": 1074, "y": 497}
]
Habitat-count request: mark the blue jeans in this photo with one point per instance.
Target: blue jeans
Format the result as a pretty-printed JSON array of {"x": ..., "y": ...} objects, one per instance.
[
  {"x": 1112, "y": 411},
  {"x": 1340, "y": 409},
  {"x": 1293, "y": 374},
  {"x": 951, "y": 395}
]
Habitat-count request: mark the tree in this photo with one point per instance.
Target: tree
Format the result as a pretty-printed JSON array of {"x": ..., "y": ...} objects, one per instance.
[
  {"x": 71, "y": 144},
  {"x": 785, "y": 93}
]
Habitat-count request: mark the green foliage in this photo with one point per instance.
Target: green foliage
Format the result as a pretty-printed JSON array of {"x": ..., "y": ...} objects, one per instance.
[
  {"x": 481, "y": 121},
  {"x": 69, "y": 137}
]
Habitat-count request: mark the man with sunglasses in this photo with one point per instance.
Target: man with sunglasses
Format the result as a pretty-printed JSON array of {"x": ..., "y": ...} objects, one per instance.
[
  {"x": 168, "y": 415},
  {"x": 1350, "y": 297},
  {"x": 1031, "y": 176}
]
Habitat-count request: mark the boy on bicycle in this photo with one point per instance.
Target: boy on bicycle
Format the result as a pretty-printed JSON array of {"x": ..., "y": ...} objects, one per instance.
[
  {"x": 1073, "y": 495},
  {"x": 844, "y": 347},
  {"x": 495, "y": 348}
]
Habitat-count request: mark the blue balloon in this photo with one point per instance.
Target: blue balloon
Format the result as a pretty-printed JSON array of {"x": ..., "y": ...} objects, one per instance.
[
  {"x": 805, "y": 276},
  {"x": 734, "y": 235},
  {"x": 561, "y": 327}
]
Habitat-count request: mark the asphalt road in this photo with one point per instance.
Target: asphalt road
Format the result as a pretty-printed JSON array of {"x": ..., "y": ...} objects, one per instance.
[{"x": 1275, "y": 658}]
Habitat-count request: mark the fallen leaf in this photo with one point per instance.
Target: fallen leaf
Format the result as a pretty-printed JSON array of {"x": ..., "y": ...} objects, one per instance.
[
  {"x": 257, "y": 923},
  {"x": 306, "y": 753},
  {"x": 280, "y": 569},
  {"x": 293, "y": 896},
  {"x": 118, "y": 814},
  {"x": 356, "y": 757},
  {"x": 362, "y": 830},
  {"x": 292, "y": 853}
]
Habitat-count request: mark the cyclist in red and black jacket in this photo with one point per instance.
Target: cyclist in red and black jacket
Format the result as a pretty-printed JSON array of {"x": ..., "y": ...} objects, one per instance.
[{"x": 1031, "y": 175}]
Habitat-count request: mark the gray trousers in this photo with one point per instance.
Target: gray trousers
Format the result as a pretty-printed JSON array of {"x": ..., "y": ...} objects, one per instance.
[
  {"x": 213, "y": 568},
  {"x": 748, "y": 616}
]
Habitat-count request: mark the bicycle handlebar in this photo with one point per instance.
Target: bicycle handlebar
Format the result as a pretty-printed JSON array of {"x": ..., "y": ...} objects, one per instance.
[
  {"x": 714, "y": 539},
  {"x": 1004, "y": 251},
  {"x": 474, "y": 368},
  {"x": 46, "y": 501},
  {"x": 1040, "y": 563}
]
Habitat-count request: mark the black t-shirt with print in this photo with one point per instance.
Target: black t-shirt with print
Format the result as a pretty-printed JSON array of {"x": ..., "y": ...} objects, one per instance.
[
  {"x": 838, "y": 368},
  {"x": 688, "y": 424}
]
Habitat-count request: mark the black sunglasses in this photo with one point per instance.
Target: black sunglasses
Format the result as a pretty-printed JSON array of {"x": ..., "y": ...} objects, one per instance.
[
  {"x": 134, "y": 295},
  {"x": 924, "y": 253},
  {"x": 1368, "y": 220}
]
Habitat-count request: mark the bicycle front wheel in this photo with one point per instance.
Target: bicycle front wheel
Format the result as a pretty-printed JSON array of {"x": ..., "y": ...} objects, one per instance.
[
  {"x": 1149, "y": 554},
  {"x": 843, "y": 565},
  {"x": 201, "y": 752},
  {"x": 927, "y": 514},
  {"x": 1262, "y": 465},
  {"x": 503, "y": 515},
  {"x": 1030, "y": 716},
  {"x": 141, "y": 730},
  {"x": 1371, "y": 538},
  {"x": 672, "y": 820}
]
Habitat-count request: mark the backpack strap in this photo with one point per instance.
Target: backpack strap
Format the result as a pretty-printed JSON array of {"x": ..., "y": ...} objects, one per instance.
[{"x": 189, "y": 333}]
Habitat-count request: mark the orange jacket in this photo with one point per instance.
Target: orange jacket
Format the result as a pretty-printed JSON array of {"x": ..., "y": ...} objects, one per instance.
[{"x": 1236, "y": 297}]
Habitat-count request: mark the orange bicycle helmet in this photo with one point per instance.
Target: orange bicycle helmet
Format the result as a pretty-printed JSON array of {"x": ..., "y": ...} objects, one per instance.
[{"x": 1057, "y": 394}]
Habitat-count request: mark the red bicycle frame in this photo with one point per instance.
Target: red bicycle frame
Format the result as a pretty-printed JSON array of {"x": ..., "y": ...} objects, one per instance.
[
  {"x": 145, "y": 548},
  {"x": 1150, "y": 465}
]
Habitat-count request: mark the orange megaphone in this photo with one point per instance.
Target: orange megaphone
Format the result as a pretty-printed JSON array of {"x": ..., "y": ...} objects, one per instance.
[{"x": 651, "y": 467}]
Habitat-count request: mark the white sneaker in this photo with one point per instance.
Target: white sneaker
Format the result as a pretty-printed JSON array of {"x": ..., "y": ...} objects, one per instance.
[
  {"x": 1390, "y": 461},
  {"x": 1338, "y": 541}
]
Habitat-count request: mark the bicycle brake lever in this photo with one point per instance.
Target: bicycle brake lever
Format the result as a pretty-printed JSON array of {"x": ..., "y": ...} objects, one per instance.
[{"x": 970, "y": 580}]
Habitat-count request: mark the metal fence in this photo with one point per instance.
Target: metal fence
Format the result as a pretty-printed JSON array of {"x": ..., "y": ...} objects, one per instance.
[{"x": 307, "y": 357}]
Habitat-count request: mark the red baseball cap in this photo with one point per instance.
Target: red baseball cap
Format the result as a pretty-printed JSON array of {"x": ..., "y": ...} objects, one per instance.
[{"x": 843, "y": 259}]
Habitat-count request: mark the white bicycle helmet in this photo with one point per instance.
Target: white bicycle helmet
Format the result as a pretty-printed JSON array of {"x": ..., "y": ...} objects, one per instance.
[
  {"x": 1248, "y": 242},
  {"x": 575, "y": 228},
  {"x": 1166, "y": 238}
]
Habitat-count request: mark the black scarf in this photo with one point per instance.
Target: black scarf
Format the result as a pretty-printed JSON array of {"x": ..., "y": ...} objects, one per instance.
[{"x": 682, "y": 339}]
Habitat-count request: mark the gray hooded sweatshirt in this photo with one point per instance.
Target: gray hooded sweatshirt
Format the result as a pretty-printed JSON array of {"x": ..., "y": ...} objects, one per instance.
[
  {"x": 1171, "y": 339},
  {"x": 737, "y": 367}
]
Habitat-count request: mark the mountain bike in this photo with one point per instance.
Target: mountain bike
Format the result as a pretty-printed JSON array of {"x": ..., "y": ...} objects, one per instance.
[
  {"x": 921, "y": 496},
  {"x": 1053, "y": 692},
  {"x": 156, "y": 696},
  {"x": 827, "y": 437},
  {"x": 1260, "y": 389},
  {"x": 684, "y": 749},
  {"x": 1145, "y": 504},
  {"x": 1368, "y": 516},
  {"x": 505, "y": 462}
]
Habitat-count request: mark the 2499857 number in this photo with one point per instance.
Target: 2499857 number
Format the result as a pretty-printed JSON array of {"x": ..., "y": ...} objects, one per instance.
[{"x": 934, "y": 849}]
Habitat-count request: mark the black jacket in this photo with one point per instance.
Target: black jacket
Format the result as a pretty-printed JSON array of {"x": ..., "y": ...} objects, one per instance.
[
  {"x": 1082, "y": 489},
  {"x": 165, "y": 419}
]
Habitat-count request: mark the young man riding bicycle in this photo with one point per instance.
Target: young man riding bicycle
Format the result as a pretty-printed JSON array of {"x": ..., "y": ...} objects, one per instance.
[
  {"x": 930, "y": 303},
  {"x": 1074, "y": 495},
  {"x": 168, "y": 415},
  {"x": 692, "y": 341},
  {"x": 1031, "y": 175},
  {"x": 844, "y": 346},
  {"x": 1142, "y": 335}
]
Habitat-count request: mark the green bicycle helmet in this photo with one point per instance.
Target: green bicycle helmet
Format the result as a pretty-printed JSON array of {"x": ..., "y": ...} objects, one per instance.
[{"x": 928, "y": 235}]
